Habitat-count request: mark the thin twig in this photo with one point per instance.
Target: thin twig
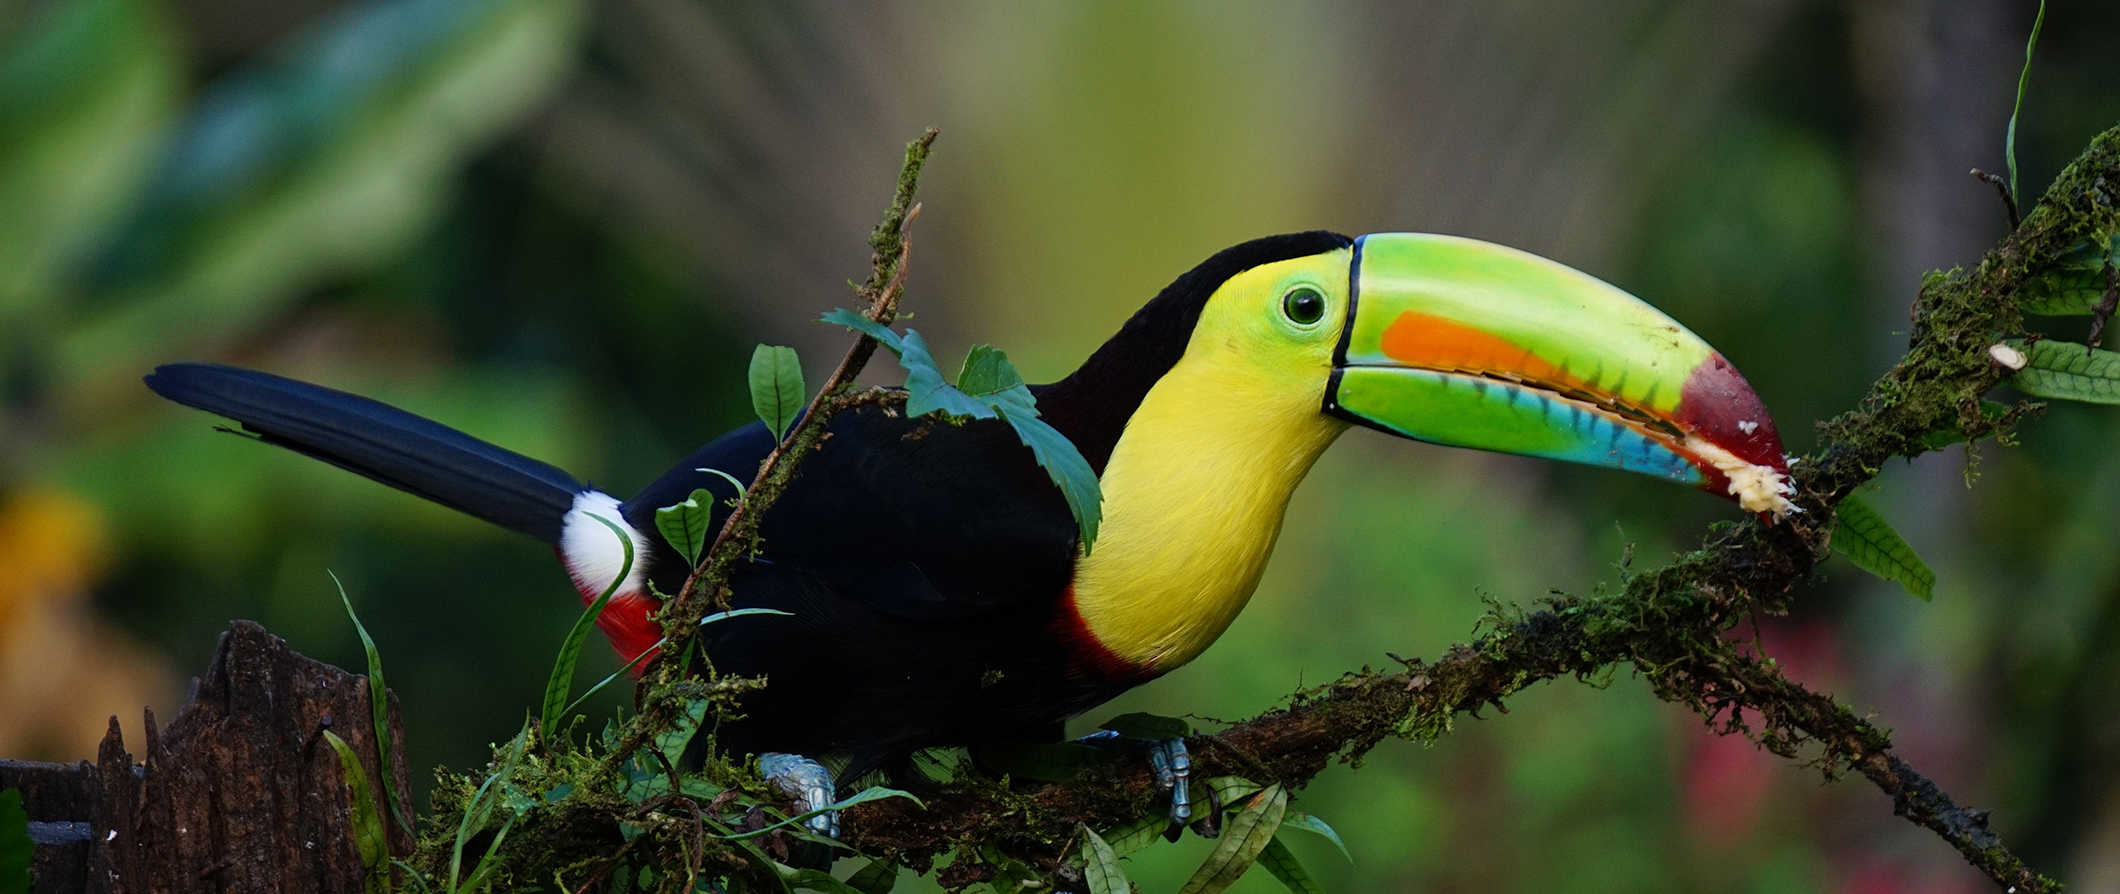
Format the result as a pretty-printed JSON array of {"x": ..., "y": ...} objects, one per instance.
[
  {"x": 2103, "y": 313},
  {"x": 2002, "y": 188},
  {"x": 889, "y": 262}
]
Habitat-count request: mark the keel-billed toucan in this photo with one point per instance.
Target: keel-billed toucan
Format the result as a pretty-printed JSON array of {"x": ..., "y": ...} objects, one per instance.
[{"x": 935, "y": 589}]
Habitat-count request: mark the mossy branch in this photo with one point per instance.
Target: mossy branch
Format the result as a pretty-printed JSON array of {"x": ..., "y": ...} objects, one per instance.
[{"x": 1669, "y": 624}]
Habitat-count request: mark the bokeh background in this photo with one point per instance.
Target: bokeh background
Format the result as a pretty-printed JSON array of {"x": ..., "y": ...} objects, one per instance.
[{"x": 561, "y": 226}]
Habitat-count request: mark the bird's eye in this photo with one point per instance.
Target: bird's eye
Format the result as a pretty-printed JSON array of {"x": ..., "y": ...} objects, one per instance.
[{"x": 1303, "y": 305}]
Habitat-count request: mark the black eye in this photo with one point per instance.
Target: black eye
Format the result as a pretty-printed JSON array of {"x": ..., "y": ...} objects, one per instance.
[{"x": 1303, "y": 305}]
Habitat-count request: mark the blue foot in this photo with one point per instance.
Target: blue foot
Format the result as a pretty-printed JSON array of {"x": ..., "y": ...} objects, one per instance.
[
  {"x": 1167, "y": 760},
  {"x": 808, "y": 782}
]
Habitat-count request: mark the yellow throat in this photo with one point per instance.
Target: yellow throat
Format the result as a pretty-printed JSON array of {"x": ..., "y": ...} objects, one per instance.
[{"x": 1197, "y": 484}]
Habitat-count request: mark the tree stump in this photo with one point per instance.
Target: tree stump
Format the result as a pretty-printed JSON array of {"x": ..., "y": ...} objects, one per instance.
[{"x": 239, "y": 793}]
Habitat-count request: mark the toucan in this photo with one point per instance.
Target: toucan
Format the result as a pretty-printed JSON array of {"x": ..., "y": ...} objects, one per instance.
[{"x": 935, "y": 589}]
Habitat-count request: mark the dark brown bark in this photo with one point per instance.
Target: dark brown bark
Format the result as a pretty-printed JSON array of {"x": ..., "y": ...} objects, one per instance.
[{"x": 239, "y": 793}]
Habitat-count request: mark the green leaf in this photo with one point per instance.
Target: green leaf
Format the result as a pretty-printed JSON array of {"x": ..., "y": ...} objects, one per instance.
[
  {"x": 1100, "y": 867},
  {"x": 1297, "y": 819},
  {"x": 1227, "y": 789},
  {"x": 1065, "y": 465},
  {"x": 2075, "y": 283},
  {"x": 1282, "y": 862},
  {"x": 378, "y": 713},
  {"x": 685, "y": 525},
  {"x": 777, "y": 392},
  {"x": 866, "y": 326},
  {"x": 1246, "y": 834},
  {"x": 925, "y": 389},
  {"x": 368, "y": 837},
  {"x": 878, "y": 877},
  {"x": 570, "y": 650},
  {"x": 2009, "y": 139},
  {"x": 814, "y": 880},
  {"x": 872, "y": 793},
  {"x": 16, "y": 849},
  {"x": 1151, "y": 727},
  {"x": 990, "y": 379},
  {"x": 1865, "y": 538},
  {"x": 2068, "y": 371},
  {"x": 939, "y": 764}
]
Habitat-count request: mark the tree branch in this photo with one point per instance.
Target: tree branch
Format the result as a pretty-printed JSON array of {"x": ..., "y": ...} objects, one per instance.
[{"x": 1669, "y": 624}]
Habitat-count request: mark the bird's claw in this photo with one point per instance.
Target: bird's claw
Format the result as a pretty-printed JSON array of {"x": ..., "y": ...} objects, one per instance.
[
  {"x": 808, "y": 782},
  {"x": 1169, "y": 762}
]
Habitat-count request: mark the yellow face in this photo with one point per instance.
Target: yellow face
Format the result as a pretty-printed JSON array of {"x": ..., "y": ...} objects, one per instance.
[
  {"x": 1269, "y": 332},
  {"x": 1196, "y": 487}
]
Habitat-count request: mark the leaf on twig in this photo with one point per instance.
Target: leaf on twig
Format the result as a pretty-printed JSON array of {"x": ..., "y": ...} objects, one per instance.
[
  {"x": 1246, "y": 835},
  {"x": 2068, "y": 371},
  {"x": 1865, "y": 538},
  {"x": 989, "y": 385},
  {"x": 777, "y": 392},
  {"x": 1100, "y": 867},
  {"x": 1150, "y": 727},
  {"x": 685, "y": 524}
]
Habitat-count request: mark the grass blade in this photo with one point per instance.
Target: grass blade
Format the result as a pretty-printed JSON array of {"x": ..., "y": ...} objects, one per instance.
[
  {"x": 483, "y": 802},
  {"x": 1243, "y": 838},
  {"x": 570, "y": 651},
  {"x": 368, "y": 838},
  {"x": 2024, "y": 76},
  {"x": 1865, "y": 538},
  {"x": 379, "y": 713}
]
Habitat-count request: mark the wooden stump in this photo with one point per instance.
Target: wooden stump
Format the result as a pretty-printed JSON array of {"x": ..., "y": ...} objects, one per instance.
[{"x": 239, "y": 793}]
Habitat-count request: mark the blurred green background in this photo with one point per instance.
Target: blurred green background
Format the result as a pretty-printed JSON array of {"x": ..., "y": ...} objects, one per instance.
[{"x": 561, "y": 225}]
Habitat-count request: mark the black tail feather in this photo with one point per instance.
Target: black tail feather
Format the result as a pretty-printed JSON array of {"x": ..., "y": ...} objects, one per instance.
[{"x": 381, "y": 442}]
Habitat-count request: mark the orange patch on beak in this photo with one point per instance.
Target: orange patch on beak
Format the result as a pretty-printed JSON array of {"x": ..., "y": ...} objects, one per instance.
[{"x": 1430, "y": 342}]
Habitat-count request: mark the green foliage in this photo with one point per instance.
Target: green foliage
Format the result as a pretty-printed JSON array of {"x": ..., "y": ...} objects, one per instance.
[
  {"x": 686, "y": 525},
  {"x": 1100, "y": 867},
  {"x": 85, "y": 90},
  {"x": 878, "y": 877},
  {"x": 2075, "y": 283},
  {"x": 347, "y": 141},
  {"x": 478, "y": 814},
  {"x": 988, "y": 386},
  {"x": 1244, "y": 837},
  {"x": 1865, "y": 538},
  {"x": 2024, "y": 76},
  {"x": 378, "y": 712},
  {"x": 1297, "y": 819},
  {"x": 16, "y": 849},
  {"x": 570, "y": 651},
  {"x": 369, "y": 839},
  {"x": 777, "y": 391},
  {"x": 2068, "y": 371},
  {"x": 1282, "y": 862}
]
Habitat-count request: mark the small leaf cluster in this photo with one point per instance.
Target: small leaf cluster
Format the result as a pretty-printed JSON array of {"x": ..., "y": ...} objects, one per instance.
[
  {"x": 1250, "y": 820},
  {"x": 987, "y": 387}
]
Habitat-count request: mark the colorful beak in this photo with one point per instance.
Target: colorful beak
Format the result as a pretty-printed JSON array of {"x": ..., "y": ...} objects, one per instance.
[{"x": 1466, "y": 343}]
